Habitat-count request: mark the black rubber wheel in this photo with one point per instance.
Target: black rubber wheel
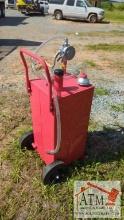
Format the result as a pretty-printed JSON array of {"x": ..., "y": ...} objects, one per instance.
[
  {"x": 58, "y": 15},
  {"x": 53, "y": 173},
  {"x": 92, "y": 18},
  {"x": 27, "y": 13},
  {"x": 42, "y": 12},
  {"x": 26, "y": 141},
  {"x": 23, "y": 12},
  {"x": 2, "y": 12}
]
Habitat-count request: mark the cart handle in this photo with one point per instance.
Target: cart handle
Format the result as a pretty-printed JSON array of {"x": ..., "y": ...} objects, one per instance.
[{"x": 43, "y": 63}]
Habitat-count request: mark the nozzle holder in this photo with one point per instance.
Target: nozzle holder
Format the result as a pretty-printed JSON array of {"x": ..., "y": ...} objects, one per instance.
[
  {"x": 58, "y": 79},
  {"x": 59, "y": 72}
]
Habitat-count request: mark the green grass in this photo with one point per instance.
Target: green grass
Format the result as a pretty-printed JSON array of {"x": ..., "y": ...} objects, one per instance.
[
  {"x": 113, "y": 33},
  {"x": 90, "y": 63},
  {"x": 114, "y": 16},
  {"x": 112, "y": 6},
  {"x": 106, "y": 47},
  {"x": 119, "y": 6},
  {"x": 23, "y": 192},
  {"x": 101, "y": 92},
  {"x": 118, "y": 107},
  {"x": 116, "y": 33},
  {"x": 107, "y": 5},
  {"x": 114, "y": 12}
]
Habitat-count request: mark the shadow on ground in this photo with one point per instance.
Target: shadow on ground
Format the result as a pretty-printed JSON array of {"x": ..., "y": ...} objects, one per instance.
[
  {"x": 13, "y": 21},
  {"x": 36, "y": 14},
  {"x": 106, "y": 145},
  {"x": 83, "y": 21},
  {"x": 103, "y": 147},
  {"x": 18, "y": 42},
  {"x": 9, "y": 45}
]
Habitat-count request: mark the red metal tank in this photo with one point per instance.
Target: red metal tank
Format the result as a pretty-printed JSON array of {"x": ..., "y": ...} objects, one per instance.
[{"x": 74, "y": 103}]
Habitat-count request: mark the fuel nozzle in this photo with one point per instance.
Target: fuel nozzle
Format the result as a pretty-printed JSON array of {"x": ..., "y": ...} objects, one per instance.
[{"x": 65, "y": 53}]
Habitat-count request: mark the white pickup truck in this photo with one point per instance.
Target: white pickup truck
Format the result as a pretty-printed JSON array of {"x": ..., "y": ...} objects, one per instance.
[
  {"x": 78, "y": 9},
  {"x": 2, "y": 8}
]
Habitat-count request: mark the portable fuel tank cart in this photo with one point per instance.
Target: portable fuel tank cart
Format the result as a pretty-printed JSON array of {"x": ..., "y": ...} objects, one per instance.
[{"x": 60, "y": 106}]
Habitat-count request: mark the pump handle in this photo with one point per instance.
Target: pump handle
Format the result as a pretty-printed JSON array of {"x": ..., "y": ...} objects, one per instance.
[{"x": 43, "y": 63}]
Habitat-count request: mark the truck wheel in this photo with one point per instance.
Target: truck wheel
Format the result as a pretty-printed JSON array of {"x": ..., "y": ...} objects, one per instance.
[
  {"x": 92, "y": 18},
  {"x": 27, "y": 12},
  {"x": 42, "y": 12},
  {"x": 22, "y": 12},
  {"x": 58, "y": 15},
  {"x": 26, "y": 140},
  {"x": 53, "y": 173},
  {"x": 3, "y": 12}
]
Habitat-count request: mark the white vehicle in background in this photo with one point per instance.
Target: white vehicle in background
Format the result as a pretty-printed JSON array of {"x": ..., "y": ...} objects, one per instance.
[
  {"x": 44, "y": 4},
  {"x": 78, "y": 9},
  {"x": 10, "y": 3},
  {"x": 2, "y": 8}
]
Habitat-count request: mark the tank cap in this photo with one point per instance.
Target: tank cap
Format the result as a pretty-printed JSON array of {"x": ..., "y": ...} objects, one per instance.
[
  {"x": 83, "y": 80},
  {"x": 59, "y": 72}
]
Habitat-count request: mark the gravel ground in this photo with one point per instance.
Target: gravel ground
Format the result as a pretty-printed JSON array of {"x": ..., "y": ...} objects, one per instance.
[{"x": 102, "y": 110}]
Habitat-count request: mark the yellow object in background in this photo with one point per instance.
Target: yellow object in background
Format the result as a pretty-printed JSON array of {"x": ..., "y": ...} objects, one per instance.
[{"x": 21, "y": 2}]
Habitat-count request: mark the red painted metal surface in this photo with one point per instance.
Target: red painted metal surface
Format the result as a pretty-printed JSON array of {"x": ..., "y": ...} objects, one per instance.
[
  {"x": 24, "y": 52},
  {"x": 75, "y": 105}
]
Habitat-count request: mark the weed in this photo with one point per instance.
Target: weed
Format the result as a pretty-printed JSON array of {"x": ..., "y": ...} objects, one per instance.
[
  {"x": 107, "y": 5},
  {"x": 107, "y": 47},
  {"x": 13, "y": 112},
  {"x": 8, "y": 188},
  {"x": 101, "y": 92},
  {"x": 94, "y": 125},
  {"x": 118, "y": 107},
  {"x": 116, "y": 33},
  {"x": 90, "y": 63},
  {"x": 113, "y": 33},
  {"x": 114, "y": 16},
  {"x": 119, "y": 6},
  {"x": 15, "y": 174}
]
